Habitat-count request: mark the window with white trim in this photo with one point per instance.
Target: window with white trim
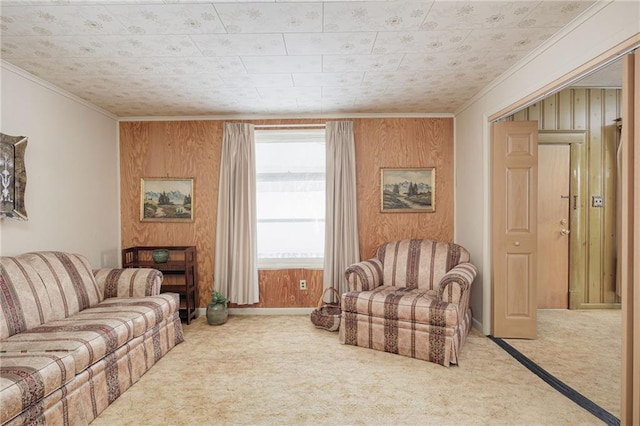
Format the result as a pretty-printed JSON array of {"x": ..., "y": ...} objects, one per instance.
[{"x": 290, "y": 192}]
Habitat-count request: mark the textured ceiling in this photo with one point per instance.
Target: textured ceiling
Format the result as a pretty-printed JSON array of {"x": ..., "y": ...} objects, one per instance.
[{"x": 172, "y": 58}]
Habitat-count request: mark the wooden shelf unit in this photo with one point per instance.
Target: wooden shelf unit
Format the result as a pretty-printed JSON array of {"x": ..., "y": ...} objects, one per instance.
[{"x": 179, "y": 272}]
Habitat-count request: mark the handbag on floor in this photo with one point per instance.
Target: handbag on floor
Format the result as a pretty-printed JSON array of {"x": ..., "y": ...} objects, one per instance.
[{"x": 327, "y": 315}]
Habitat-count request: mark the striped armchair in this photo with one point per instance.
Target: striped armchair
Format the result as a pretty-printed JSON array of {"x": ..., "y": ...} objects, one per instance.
[{"x": 412, "y": 299}]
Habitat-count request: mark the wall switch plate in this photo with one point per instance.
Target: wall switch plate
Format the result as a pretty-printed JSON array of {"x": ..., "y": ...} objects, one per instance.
[
  {"x": 597, "y": 201},
  {"x": 303, "y": 284}
]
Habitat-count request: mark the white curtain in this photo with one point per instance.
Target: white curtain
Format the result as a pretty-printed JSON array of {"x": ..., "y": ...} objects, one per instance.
[
  {"x": 236, "y": 272},
  {"x": 341, "y": 232}
]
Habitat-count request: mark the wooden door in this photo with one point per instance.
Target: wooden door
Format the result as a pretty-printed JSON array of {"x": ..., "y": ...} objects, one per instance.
[
  {"x": 553, "y": 226},
  {"x": 514, "y": 228}
]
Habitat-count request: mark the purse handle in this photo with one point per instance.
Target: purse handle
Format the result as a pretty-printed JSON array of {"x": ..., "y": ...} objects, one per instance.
[{"x": 325, "y": 292}]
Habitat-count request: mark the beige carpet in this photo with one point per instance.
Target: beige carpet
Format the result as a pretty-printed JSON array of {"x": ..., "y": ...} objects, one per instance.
[
  {"x": 583, "y": 349},
  {"x": 264, "y": 370}
]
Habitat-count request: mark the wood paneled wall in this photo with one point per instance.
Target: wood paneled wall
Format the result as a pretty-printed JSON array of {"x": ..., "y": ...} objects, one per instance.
[
  {"x": 193, "y": 149},
  {"x": 402, "y": 142},
  {"x": 593, "y": 110}
]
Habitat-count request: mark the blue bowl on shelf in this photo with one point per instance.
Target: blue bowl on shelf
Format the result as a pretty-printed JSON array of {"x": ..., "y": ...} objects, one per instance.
[{"x": 160, "y": 255}]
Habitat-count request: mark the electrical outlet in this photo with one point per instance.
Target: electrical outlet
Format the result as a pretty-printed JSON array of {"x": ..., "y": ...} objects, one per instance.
[
  {"x": 597, "y": 201},
  {"x": 303, "y": 284}
]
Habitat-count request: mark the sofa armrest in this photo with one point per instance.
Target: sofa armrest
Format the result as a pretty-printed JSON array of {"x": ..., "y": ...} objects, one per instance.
[
  {"x": 129, "y": 282},
  {"x": 455, "y": 284},
  {"x": 364, "y": 276}
]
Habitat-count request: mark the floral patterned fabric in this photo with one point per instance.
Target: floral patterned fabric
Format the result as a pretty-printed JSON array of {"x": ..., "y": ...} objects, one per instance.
[{"x": 66, "y": 364}]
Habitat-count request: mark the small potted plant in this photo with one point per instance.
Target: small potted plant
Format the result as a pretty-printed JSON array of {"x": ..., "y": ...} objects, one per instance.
[{"x": 217, "y": 313}]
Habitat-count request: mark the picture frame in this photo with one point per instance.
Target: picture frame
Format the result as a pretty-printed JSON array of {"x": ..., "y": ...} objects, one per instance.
[
  {"x": 408, "y": 190},
  {"x": 13, "y": 176},
  {"x": 166, "y": 200}
]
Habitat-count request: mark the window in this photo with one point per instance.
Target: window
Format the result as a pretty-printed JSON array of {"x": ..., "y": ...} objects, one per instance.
[{"x": 290, "y": 191}]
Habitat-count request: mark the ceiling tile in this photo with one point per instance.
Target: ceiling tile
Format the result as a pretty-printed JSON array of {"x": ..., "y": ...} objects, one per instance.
[
  {"x": 328, "y": 79},
  {"x": 172, "y": 57},
  {"x": 259, "y": 80},
  {"x": 271, "y": 17},
  {"x": 168, "y": 18},
  {"x": 59, "y": 20},
  {"x": 418, "y": 41},
  {"x": 329, "y": 43},
  {"x": 507, "y": 39},
  {"x": 290, "y": 92},
  {"x": 282, "y": 64},
  {"x": 98, "y": 46},
  {"x": 375, "y": 16},
  {"x": 240, "y": 44},
  {"x": 555, "y": 13},
  {"x": 477, "y": 14},
  {"x": 353, "y": 63}
]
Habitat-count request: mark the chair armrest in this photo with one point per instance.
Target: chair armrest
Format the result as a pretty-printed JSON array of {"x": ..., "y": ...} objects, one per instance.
[
  {"x": 129, "y": 282},
  {"x": 364, "y": 276},
  {"x": 455, "y": 284}
]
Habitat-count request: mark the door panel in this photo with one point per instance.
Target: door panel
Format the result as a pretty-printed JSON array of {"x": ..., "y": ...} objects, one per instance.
[
  {"x": 514, "y": 215},
  {"x": 518, "y": 304},
  {"x": 553, "y": 226}
]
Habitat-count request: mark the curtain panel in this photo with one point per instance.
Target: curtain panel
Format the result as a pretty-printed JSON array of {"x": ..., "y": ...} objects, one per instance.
[
  {"x": 236, "y": 259},
  {"x": 341, "y": 231}
]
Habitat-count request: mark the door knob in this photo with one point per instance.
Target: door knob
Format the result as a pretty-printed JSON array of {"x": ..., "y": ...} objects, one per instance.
[
  {"x": 563, "y": 221},
  {"x": 564, "y": 231}
]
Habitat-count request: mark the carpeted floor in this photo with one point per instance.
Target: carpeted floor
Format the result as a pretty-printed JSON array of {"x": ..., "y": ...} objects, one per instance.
[
  {"x": 266, "y": 370},
  {"x": 583, "y": 349}
]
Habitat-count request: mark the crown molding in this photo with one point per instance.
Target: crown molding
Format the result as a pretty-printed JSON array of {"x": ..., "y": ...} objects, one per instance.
[
  {"x": 6, "y": 66},
  {"x": 287, "y": 117}
]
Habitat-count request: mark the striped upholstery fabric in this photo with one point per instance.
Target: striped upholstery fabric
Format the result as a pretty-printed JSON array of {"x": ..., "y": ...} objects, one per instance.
[
  {"x": 129, "y": 282},
  {"x": 412, "y": 300},
  {"x": 90, "y": 392},
  {"x": 69, "y": 281},
  {"x": 26, "y": 378},
  {"x": 67, "y": 348},
  {"x": 95, "y": 332},
  {"x": 365, "y": 275},
  {"x": 24, "y": 300},
  {"x": 418, "y": 263}
]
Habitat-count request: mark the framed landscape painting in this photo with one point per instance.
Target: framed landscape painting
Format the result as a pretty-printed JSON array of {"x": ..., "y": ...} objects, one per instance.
[
  {"x": 408, "y": 190},
  {"x": 166, "y": 200}
]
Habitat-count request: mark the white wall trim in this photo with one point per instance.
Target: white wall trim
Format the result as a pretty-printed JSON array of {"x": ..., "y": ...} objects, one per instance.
[
  {"x": 263, "y": 311},
  {"x": 487, "y": 307},
  {"x": 477, "y": 325},
  {"x": 455, "y": 184},
  {"x": 524, "y": 62},
  {"x": 289, "y": 117},
  {"x": 35, "y": 79}
]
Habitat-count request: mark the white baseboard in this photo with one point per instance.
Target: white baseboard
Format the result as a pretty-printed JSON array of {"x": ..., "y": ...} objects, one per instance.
[
  {"x": 263, "y": 311},
  {"x": 476, "y": 325}
]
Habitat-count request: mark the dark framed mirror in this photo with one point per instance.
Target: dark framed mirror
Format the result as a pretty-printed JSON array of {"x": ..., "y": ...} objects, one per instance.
[{"x": 13, "y": 176}]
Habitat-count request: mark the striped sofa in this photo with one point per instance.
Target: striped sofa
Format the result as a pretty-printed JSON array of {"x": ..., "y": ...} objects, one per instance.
[
  {"x": 412, "y": 299},
  {"x": 72, "y": 339}
]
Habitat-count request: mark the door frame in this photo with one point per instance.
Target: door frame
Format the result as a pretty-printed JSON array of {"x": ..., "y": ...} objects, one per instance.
[
  {"x": 578, "y": 203},
  {"x": 630, "y": 392}
]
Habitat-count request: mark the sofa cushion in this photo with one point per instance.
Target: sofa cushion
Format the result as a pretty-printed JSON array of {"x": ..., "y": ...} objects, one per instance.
[
  {"x": 69, "y": 281},
  {"x": 402, "y": 304},
  {"x": 26, "y": 378},
  {"x": 418, "y": 263},
  {"x": 142, "y": 313},
  {"x": 95, "y": 332},
  {"x": 24, "y": 301},
  {"x": 86, "y": 339}
]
